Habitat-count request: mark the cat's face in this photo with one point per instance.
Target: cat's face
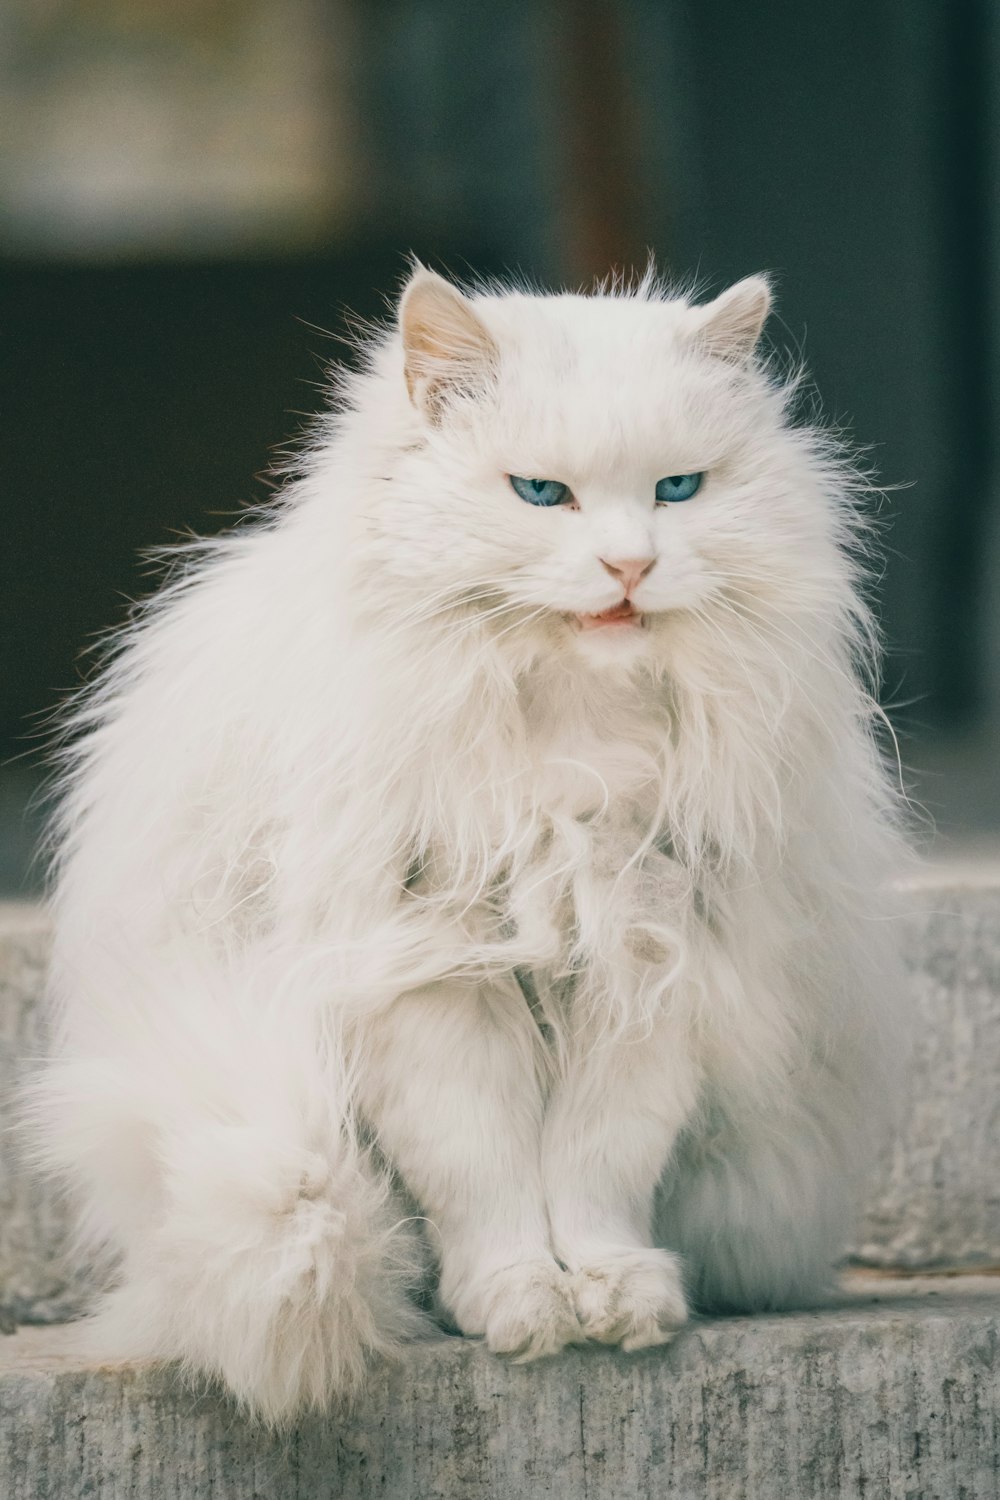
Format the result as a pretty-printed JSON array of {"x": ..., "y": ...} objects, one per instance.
[{"x": 589, "y": 468}]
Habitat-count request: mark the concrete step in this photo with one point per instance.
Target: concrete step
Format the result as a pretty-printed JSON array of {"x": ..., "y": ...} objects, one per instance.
[
  {"x": 38, "y": 1279},
  {"x": 894, "y": 1393},
  {"x": 935, "y": 1199}
]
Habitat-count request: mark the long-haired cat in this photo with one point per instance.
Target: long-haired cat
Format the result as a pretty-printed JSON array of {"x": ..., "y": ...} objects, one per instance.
[{"x": 481, "y": 859}]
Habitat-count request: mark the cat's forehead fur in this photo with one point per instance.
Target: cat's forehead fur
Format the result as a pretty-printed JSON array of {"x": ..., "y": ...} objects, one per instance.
[
  {"x": 574, "y": 325},
  {"x": 605, "y": 380}
]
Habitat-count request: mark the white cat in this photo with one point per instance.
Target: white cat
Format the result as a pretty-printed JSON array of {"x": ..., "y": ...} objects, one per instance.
[{"x": 486, "y": 851}]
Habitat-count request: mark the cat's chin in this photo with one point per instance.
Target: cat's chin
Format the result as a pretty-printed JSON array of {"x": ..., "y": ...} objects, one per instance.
[{"x": 615, "y": 639}]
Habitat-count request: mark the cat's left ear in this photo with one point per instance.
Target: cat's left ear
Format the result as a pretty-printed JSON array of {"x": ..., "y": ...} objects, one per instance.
[
  {"x": 731, "y": 325},
  {"x": 445, "y": 345}
]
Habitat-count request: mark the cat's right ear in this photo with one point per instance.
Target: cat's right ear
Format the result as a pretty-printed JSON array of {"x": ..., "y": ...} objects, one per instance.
[
  {"x": 731, "y": 325},
  {"x": 445, "y": 345}
]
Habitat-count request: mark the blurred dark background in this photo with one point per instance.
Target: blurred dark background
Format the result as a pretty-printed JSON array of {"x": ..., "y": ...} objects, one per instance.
[{"x": 192, "y": 193}]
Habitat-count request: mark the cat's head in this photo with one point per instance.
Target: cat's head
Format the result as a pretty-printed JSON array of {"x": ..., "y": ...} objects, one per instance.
[{"x": 589, "y": 470}]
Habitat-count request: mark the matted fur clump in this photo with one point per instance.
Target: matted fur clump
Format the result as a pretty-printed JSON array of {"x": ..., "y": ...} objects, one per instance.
[{"x": 481, "y": 861}]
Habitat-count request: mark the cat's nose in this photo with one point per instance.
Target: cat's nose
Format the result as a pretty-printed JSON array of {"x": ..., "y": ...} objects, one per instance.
[{"x": 630, "y": 571}]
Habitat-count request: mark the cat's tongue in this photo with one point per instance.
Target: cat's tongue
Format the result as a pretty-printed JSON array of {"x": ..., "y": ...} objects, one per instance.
[{"x": 619, "y": 614}]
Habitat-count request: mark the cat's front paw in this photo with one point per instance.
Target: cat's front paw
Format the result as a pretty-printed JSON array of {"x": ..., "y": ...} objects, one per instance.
[
  {"x": 634, "y": 1298},
  {"x": 528, "y": 1311}
]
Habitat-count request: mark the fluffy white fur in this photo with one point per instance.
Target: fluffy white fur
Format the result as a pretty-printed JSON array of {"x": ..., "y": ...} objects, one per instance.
[{"x": 395, "y": 909}]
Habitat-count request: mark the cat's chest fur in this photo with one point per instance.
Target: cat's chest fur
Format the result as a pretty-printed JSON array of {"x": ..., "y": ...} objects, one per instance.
[
  {"x": 596, "y": 865},
  {"x": 594, "y": 750}
]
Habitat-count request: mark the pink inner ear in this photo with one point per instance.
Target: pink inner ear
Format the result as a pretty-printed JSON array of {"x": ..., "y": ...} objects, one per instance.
[
  {"x": 731, "y": 325},
  {"x": 439, "y": 328}
]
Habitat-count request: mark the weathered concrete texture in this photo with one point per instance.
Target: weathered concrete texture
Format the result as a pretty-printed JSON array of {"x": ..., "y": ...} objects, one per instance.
[
  {"x": 36, "y": 1276},
  {"x": 893, "y": 1398},
  {"x": 936, "y": 1198}
]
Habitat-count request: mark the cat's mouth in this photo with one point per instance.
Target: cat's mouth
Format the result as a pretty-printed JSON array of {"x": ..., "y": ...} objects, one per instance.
[{"x": 618, "y": 616}]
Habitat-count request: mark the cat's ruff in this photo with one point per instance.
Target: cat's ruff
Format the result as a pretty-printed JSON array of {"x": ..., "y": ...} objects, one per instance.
[{"x": 483, "y": 873}]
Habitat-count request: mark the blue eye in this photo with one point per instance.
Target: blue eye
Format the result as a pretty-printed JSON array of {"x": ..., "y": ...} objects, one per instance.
[
  {"x": 540, "y": 491},
  {"x": 678, "y": 487}
]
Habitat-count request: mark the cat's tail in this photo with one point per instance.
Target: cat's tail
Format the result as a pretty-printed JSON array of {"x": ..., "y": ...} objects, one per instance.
[
  {"x": 274, "y": 1267},
  {"x": 761, "y": 1207},
  {"x": 255, "y": 1239}
]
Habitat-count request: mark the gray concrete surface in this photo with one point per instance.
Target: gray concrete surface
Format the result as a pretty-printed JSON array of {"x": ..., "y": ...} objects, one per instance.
[
  {"x": 893, "y": 1396},
  {"x": 935, "y": 1199},
  {"x": 936, "y": 1196},
  {"x": 37, "y": 1276}
]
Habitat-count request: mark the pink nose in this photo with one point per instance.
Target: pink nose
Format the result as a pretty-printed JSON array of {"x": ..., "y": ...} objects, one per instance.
[{"x": 630, "y": 571}]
